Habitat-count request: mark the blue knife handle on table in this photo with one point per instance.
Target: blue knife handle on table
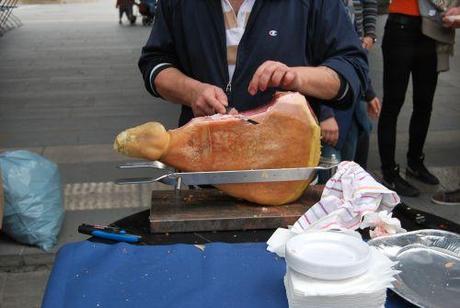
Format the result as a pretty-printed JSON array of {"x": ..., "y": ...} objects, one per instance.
[
  {"x": 110, "y": 233},
  {"x": 117, "y": 237}
]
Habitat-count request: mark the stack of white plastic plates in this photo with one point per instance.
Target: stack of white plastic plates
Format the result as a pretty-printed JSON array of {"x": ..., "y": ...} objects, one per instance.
[{"x": 332, "y": 269}]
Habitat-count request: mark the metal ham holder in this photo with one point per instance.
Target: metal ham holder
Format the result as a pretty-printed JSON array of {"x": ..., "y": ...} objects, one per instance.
[
  {"x": 177, "y": 179},
  {"x": 208, "y": 209}
]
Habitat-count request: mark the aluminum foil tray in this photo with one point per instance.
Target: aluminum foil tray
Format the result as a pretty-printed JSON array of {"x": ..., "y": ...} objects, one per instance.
[{"x": 429, "y": 261}]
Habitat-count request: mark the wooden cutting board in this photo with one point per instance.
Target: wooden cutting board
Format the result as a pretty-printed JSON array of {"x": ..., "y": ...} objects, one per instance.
[{"x": 212, "y": 210}]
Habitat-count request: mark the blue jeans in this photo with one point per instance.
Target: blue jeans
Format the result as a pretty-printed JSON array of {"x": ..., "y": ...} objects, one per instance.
[
  {"x": 356, "y": 145},
  {"x": 326, "y": 152},
  {"x": 347, "y": 152}
]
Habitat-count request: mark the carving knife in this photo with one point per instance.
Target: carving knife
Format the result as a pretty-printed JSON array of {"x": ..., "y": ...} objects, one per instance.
[{"x": 251, "y": 121}]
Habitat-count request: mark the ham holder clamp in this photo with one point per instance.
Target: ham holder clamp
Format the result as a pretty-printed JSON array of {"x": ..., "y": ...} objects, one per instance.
[{"x": 198, "y": 210}]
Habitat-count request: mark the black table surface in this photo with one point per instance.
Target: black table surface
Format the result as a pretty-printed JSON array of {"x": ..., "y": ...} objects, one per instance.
[{"x": 411, "y": 219}]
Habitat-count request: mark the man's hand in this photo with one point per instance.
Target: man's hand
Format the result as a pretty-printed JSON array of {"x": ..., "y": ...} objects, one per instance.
[
  {"x": 367, "y": 42},
  {"x": 207, "y": 99},
  {"x": 203, "y": 98},
  {"x": 373, "y": 108},
  {"x": 452, "y": 18},
  {"x": 329, "y": 131},
  {"x": 273, "y": 74},
  {"x": 321, "y": 82}
]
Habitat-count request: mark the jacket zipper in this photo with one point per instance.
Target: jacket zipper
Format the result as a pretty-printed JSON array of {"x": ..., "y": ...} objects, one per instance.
[{"x": 228, "y": 88}]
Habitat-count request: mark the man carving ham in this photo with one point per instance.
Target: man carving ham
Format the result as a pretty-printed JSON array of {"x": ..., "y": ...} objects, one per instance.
[
  {"x": 219, "y": 55},
  {"x": 207, "y": 55}
]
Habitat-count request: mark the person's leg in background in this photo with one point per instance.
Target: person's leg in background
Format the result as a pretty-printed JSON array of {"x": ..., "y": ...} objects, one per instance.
[
  {"x": 327, "y": 151},
  {"x": 398, "y": 53},
  {"x": 348, "y": 150},
  {"x": 424, "y": 79},
  {"x": 129, "y": 13},
  {"x": 120, "y": 12},
  {"x": 363, "y": 135},
  {"x": 126, "y": 12},
  {"x": 362, "y": 149}
]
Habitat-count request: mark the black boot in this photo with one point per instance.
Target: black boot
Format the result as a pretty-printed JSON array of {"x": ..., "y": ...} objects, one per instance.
[
  {"x": 394, "y": 181},
  {"x": 416, "y": 169}
]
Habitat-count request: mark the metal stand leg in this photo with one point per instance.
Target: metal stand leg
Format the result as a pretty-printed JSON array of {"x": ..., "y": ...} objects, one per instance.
[{"x": 178, "y": 185}]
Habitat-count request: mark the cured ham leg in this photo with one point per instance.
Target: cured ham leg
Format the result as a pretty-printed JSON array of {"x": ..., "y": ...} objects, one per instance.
[{"x": 287, "y": 136}]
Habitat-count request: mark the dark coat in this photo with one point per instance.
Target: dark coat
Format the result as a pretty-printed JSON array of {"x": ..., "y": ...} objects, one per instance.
[{"x": 190, "y": 35}]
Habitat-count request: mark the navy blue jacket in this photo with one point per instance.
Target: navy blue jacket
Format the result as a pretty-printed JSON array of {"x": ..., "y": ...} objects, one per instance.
[
  {"x": 190, "y": 35},
  {"x": 344, "y": 118}
]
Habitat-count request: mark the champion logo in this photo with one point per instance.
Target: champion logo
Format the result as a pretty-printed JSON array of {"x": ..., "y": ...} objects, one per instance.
[{"x": 273, "y": 33}]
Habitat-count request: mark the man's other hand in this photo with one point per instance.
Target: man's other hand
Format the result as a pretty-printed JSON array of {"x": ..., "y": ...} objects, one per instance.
[
  {"x": 451, "y": 18},
  {"x": 273, "y": 74},
  {"x": 367, "y": 42},
  {"x": 329, "y": 131},
  {"x": 373, "y": 108},
  {"x": 208, "y": 100}
]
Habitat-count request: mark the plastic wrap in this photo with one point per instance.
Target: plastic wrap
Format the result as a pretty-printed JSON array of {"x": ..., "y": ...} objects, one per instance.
[
  {"x": 33, "y": 211},
  {"x": 429, "y": 261}
]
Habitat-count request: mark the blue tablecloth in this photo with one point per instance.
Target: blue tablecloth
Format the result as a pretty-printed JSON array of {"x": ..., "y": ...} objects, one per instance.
[{"x": 87, "y": 274}]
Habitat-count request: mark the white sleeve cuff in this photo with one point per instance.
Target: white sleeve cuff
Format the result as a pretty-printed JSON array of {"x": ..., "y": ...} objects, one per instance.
[
  {"x": 158, "y": 66},
  {"x": 344, "y": 92}
]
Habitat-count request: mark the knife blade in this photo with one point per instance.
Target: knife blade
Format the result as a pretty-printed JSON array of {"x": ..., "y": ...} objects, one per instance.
[{"x": 251, "y": 121}]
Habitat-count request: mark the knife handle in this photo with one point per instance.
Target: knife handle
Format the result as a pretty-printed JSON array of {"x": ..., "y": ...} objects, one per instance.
[
  {"x": 129, "y": 238},
  {"x": 110, "y": 233}
]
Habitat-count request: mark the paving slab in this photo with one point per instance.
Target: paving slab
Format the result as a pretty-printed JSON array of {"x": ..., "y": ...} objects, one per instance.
[
  {"x": 423, "y": 203},
  {"x": 99, "y": 172},
  {"x": 38, "y": 150},
  {"x": 9, "y": 252},
  {"x": 67, "y": 154},
  {"x": 2, "y": 285},
  {"x": 67, "y": 85},
  {"x": 24, "y": 289},
  {"x": 443, "y": 150},
  {"x": 107, "y": 195}
]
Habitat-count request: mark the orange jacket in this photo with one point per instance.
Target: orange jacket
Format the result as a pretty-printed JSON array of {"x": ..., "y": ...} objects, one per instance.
[{"x": 406, "y": 7}]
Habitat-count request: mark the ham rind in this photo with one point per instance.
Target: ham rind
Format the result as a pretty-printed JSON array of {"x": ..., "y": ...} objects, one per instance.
[{"x": 287, "y": 136}]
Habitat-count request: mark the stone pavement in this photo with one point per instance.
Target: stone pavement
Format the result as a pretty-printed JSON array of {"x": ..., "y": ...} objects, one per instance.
[
  {"x": 69, "y": 83},
  {"x": 23, "y": 289}
]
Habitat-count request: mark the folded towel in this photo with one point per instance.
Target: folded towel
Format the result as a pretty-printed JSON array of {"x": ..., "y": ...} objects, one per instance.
[{"x": 349, "y": 195}]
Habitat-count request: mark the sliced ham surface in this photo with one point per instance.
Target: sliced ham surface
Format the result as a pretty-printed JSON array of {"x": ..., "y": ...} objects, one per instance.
[{"x": 287, "y": 136}]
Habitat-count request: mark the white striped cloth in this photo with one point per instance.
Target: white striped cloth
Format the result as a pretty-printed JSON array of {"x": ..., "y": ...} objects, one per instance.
[
  {"x": 349, "y": 195},
  {"x": 235, "y": 26}
]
